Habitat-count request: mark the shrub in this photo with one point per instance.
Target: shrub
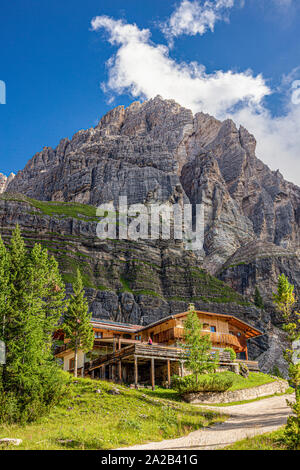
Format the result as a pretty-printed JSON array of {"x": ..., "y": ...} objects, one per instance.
[
  {"x": 232, "y": 353},
  {"x": 38, "y": 397},
  {"x": 206, "y": 383}
]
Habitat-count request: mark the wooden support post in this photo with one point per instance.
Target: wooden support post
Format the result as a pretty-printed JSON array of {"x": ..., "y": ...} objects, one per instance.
[
  {"x": 135, "y": 372},
  {"x": 181, "y": 369},
  {"x": 120, "y": 371},
  {"x": 169, "y": 373},
  {"x": 119, "y": 343},
  {"x": 152, "y": 373},
  {"x": 93, "y": 374}
]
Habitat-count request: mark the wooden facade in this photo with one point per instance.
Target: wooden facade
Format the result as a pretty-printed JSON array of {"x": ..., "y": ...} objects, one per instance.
[{"x": 122, "y": 352}]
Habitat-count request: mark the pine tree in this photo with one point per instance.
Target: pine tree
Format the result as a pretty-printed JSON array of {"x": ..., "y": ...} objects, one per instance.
[
  {"x": 197, "y": 346},
  {"x": 31, "y": 304},
  {"x": 4, "y": 285},
  {"x": 77, "y": 326},
  {"x": 4, "y": 292},
  {"x": 285, "y": 301}
]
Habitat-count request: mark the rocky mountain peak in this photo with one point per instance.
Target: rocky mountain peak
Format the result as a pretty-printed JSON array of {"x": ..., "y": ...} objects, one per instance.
[
  {"x": 4, "y": 181},
  {"x": 152, "y": 148}
]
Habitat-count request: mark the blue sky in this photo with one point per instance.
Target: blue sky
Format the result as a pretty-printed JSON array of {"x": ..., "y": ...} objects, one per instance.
[{"x": 231, "y": 58}]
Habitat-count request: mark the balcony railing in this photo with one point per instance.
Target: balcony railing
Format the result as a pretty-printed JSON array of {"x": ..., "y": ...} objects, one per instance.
[{"x": 216, "y": 338}]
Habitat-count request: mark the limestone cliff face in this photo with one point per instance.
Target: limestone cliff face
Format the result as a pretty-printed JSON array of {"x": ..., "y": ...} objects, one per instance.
[
  {"x": 259, "y": 264},
  {"x": 226, "y": 227},
  {"x": 4, "y": 181},
  {"x": 158, "y": 151},
  {"x": 135, "y": 282}
]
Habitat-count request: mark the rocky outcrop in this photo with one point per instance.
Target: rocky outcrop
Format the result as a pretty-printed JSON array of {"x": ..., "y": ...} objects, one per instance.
[
  {"x": 226, "y": 227},
  {"x": 151, "y": 151},
  {"x": 135, "y": 282},
  {"x": 259, "y": 264},
  {"x": 4, "y": 181}
]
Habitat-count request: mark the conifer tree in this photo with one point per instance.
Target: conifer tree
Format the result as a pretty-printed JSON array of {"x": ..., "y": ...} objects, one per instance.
[
  {"x": 4, "y": 282},
  {"x": 197, "y": 346},
  {"x": 32, "y": 301},
  {"x": 285, "y": 301},
  {"x": 77, "y": 326}
]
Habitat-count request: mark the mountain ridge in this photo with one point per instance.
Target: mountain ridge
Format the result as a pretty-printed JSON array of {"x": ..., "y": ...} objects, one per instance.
[{"x": 159, "y": 152}]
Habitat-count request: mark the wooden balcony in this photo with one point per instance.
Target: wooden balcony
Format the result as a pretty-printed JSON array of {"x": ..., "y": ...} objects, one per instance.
[
  {"x": 225, "y": 339},
  {"x": 176, "y": 334},
  {"x": 146, "y": 351}
]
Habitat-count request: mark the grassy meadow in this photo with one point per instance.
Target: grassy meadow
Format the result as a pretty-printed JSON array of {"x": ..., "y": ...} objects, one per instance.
[{"x": 89, "y": 417}]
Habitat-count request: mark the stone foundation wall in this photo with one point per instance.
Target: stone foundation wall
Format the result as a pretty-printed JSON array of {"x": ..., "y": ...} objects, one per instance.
[{"x": 279, "y": 386}]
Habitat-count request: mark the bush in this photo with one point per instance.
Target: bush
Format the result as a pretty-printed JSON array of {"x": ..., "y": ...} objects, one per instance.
[
  {"x": 40, "y": 393},
  {"x": 206, "y": 383},
  {"x": 232, "y": 353}
]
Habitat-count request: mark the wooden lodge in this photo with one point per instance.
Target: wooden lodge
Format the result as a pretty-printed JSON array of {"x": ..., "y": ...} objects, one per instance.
[{"x": 122, "y": 352}]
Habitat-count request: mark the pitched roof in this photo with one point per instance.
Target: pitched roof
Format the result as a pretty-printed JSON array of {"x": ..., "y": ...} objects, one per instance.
[
  {"x": 250, "y": 330},
  {"x": 115, "y": 326}
]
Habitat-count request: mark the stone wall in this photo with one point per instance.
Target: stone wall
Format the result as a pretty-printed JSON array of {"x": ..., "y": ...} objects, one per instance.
[{"x": 278, "y": 386}]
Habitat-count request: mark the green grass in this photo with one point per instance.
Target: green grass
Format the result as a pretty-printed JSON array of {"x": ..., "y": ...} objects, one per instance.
[
  {"x": 54, "y": 208},
  {"x": 85, "y": 419},
  {"x": 269, "y": 441},
  {"x": 254, "y": 380},
  {"x": 65, "y": 209}
]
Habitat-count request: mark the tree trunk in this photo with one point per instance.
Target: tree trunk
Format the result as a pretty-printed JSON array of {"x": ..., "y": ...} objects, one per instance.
[{"x": 75, "y": 359}]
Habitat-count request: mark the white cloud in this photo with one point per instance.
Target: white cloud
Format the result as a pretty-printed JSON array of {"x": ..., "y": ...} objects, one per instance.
[
  {"x": 144, "y": 69},
  {"x": 278, "y": 138},
  {"x": 193, "y": 18}
]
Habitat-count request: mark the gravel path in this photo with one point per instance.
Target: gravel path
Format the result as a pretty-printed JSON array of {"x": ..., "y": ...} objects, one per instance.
[{"x": 245, "y": 420}]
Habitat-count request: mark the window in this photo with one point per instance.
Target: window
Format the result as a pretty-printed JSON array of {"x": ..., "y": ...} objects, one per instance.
[
  {"x": 138, "y": 338},
  {"x": 206, "y": 327},
  {"x": 71, "y": 363},
  {"x": 213, "y": 329},
  {"x": 98, "y": 334}
]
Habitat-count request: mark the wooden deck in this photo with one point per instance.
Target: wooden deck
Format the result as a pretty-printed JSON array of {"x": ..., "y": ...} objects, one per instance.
[
  {"x": 140, "y": 350},
  {"x": 144, "y": 351}
]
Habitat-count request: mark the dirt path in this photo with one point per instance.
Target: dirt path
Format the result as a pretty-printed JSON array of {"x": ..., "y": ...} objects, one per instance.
[{"x": 245, "y": 420}]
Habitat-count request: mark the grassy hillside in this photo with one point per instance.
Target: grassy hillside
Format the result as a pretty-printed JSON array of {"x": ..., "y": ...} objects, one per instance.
[{"x": 86, "y": 419}]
